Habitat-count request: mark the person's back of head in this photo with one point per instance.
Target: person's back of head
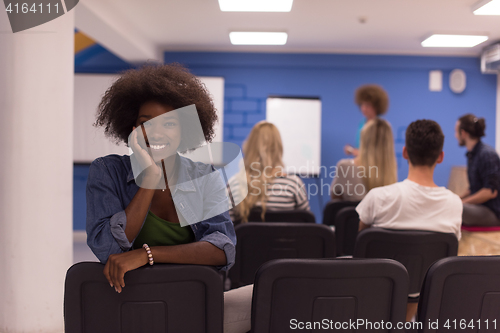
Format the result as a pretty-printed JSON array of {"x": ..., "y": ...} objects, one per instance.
[
  {"x": 263, "y": 152},
  {"x": 376, "y": 151},
  {"x": 374, "y": 95},
  {"x": 424, "y": 142},
  {"x": 472, "y": 125}
]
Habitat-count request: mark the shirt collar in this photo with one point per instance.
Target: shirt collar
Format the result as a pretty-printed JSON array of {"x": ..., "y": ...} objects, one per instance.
[{"x": 474, "y": 150}]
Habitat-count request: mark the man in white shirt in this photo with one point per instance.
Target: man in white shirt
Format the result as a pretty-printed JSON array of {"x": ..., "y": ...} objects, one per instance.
[{"x": 416, "y": 203}]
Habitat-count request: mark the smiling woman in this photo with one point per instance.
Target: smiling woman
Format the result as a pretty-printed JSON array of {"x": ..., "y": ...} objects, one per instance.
[
  {"x": 126, "y": 212},
  {"x": 157, "y": 206}
]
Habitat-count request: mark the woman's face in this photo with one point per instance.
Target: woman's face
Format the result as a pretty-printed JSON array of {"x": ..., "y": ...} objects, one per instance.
[
  {"x": 162, "y": 129},
  {"x": 368, "y": 110}
]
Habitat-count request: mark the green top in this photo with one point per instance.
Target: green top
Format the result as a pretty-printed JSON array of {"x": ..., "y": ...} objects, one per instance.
[{"x": 156, "y": 232}]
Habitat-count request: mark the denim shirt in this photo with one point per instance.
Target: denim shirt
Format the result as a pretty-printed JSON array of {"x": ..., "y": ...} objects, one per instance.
[{"x": 110, "y": 188}]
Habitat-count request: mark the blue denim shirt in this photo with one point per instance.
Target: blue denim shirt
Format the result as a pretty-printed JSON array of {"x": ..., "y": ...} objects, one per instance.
[{"x": 110, "y": 188}]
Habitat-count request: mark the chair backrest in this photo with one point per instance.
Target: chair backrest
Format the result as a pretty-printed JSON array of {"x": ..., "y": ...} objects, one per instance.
[
  {"x": 464, "y": 289},
  {"x": 260, "y": 242},
  {"x": 346, "y": 230},
  {"x": 290, "y": 291},
  {"x": 416, "y": 250},
  {"x": 333, "y": 207},
  {"x": 287, "y": 216},
  {"x": 160, "y": 298}
]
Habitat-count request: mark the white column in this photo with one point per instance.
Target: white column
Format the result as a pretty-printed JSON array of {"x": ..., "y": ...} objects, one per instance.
[
  {"x": 36, "y": 170},
  {"x": 497, "y": 132}
]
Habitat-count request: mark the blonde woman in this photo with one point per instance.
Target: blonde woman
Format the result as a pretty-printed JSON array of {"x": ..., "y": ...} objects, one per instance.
[
  {"x": 374, "y": 166},
  {"x": 269, "y": 186}
]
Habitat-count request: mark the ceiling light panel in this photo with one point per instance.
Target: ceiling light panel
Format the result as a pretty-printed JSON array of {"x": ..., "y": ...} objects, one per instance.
[
  {"x": 439, "y": 40},
  {"x": 487, "y": 7},
  {"x": 258, "y": 38},
  {"x": 255, "y": 5}
]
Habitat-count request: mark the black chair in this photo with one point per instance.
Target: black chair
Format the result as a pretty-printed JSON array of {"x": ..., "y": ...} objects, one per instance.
[
  {"x": 346, "y": 230},
  {"x": 260, "y": 242},
  {"x": 287, "y": 216},
  {"x": 465, "y": 289},
  {"x": 416, "y": 250},
  {"x": 160, "y": 298},
  {"x": 290, "y": 291},
  {"x": 333, "y": 207}
]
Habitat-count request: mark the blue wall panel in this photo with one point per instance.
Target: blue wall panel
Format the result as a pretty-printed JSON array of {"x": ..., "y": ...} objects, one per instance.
[{"x": 251, "y": 77}]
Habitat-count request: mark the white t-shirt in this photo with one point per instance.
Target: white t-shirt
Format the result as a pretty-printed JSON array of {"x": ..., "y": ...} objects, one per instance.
[{"x": 409, "y": 206}]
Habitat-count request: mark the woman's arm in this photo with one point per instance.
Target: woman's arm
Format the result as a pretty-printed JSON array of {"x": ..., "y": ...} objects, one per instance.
[
  {"x": 197, "y": 253},
  {"x": 111, "y": 227}
]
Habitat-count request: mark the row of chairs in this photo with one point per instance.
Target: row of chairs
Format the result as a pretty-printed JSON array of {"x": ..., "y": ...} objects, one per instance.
[
  {"x": 460, "y": 294},
  {"x": 340, "y": 214},
  {"x": 262, "y": 242}
]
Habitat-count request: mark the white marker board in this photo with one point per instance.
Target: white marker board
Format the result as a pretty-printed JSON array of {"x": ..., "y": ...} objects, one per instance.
[
  {"x": 89, "y": 142},
  {"x": 299, "y": 123}
]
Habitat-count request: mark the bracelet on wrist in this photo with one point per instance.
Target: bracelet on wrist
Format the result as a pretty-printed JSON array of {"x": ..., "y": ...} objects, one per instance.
[{"x": 150, "y": 255}]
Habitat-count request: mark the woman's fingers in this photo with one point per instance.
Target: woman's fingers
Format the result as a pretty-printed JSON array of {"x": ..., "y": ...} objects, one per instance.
[
  {"x": 121, "y": 280},
  {"x": 116, "y": 279},
  {"x": 119, "y": 264},
  {"x": 113, "y": 272},
  {"x": 106, "y": 274}
]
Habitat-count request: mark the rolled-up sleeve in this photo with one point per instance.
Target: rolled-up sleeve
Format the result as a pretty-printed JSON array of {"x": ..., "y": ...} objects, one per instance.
[
  {"x": 106, "y": 218},
  {"x": 226, "y": 241},
  {"x": 220, "y": 230},
  {"x": 490, "y": 172}
]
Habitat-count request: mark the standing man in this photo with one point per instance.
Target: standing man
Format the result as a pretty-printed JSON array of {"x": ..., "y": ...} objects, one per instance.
[{"x": 481, "y": 202}]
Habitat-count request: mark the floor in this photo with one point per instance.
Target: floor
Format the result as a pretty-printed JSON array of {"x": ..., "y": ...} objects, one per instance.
[{"x": 479, "y": 243}]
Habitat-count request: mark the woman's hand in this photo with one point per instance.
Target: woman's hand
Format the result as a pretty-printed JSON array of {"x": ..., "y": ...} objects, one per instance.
[
  {"x": 350, "y": 150},
  {"x": 119, "y": 264},
  {"x": 152, "y": 172}
]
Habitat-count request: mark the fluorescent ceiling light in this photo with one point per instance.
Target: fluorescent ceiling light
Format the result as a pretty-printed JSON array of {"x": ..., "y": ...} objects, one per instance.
[
  {"x": 258, "y": 38},
  {"x": 255, "y": 5},
  {"x": 453, "y": 40},
  {"x": 487, "y": 7}
]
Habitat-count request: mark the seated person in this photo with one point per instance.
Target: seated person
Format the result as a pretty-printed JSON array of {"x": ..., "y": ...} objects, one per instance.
[
  {"x": 129, "y": 226},
  {"x": 373, "y": 102},
  {"x": 416, "y": 203},
  {"x": 269, "y": 186},
  {"x": 481, "y": 202},
  {"x": 374, "y": 166}
]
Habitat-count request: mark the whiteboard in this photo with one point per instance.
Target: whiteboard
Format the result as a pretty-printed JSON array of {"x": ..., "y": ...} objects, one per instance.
[
  {"x": 299, "y": 123},
  {"x": 89, "y": 142}
]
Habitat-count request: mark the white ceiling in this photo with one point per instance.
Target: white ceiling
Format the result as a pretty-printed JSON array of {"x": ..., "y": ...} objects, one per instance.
[{"x": 313, "y": 26}]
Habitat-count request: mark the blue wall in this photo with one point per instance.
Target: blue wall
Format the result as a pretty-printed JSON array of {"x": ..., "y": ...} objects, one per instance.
[{"x": 251, "y": 77}]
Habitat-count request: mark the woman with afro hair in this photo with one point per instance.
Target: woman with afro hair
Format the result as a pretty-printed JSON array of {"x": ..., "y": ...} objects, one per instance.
[
  {"x": 132, "y": 219},
  {"x": 373, "y": 102},
  {"x": 129, "y": 226}
]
